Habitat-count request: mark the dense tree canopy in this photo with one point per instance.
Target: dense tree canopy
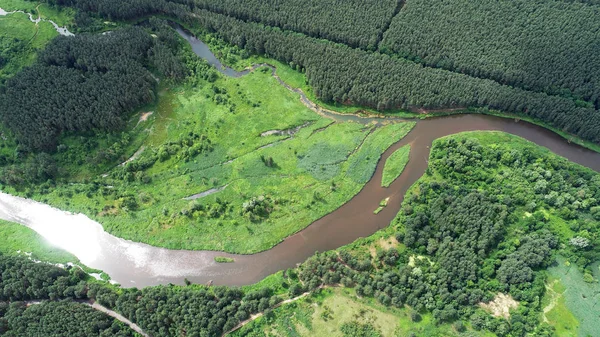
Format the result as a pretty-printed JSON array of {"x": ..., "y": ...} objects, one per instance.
[
  {"x": 548, "y": 46},
  {"x": 58, "y": 319},
  {"x": 79, "y": 84},
  {"x": 542, "y": 67},
  {"x": 88, "y": 83},
  {"x": 24, "y": 280},
  {"x": 357, "y": 23}
]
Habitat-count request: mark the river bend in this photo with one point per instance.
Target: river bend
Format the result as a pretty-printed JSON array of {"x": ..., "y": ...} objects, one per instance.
[{"x": 139, "y": 265}]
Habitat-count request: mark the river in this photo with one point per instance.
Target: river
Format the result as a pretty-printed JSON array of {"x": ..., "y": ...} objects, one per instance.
[{"x": 138, "y": 265}]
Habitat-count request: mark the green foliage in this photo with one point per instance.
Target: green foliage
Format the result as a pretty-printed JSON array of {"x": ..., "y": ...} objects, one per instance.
[
  {"x": 20, "y": 40},
  {"x": 55, "y": 319},
  {"x": 465, "y": 241},
  {"x": 400, "y": 83},
  {"x": 354, "y": 329},
  {"x": 23, "y": 279},
  {"x": 222, "y": 259},
  {"x": 357, "y": 23},
  {"x": 100, "y": 75},
  {"x": 394, "y": 165},
  {"x": 577, "y": 296},
  {"x": 323, "y": 160}
]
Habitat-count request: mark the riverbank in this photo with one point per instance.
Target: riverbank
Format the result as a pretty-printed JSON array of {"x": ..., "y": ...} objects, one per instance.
[{"x": 229, "y": 56}]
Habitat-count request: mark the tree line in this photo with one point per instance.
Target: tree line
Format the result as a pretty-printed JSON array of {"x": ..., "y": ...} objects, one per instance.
[
  {"x": 357, "y": 23},
  {"x": 548, "y": 46},
  {"x": 58, "y": 319}
]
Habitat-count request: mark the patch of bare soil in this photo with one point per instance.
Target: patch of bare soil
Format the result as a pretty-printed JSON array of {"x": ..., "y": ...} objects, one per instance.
[
  {"x": 500, "y": 306},
  {"x": 384, "y": 243}
]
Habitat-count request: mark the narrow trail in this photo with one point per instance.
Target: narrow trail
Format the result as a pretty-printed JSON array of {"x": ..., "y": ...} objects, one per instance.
[{"x": 96, "y": 306}]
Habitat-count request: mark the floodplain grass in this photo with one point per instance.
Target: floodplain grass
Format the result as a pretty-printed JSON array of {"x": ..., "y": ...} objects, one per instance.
[
  {"x": 394, "y": 165},
  {"x": 25, "y": 38},
  {"x": 323, "y": 313},
  {"x": 15, "y": 238},
  {"x": 362, "y": 164},
  {"x": 15, "y": 5},
  {"x": 297, "y": 79},
  {"x": 580, "y": 298},
  {"x": 308, "y": 175},
  {"x": 230, "y": 56},
  {"x": 62, "y": 16},
  {"x": 555, "y": 311}
]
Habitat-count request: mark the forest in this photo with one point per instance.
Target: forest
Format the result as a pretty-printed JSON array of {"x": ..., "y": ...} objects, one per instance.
[
  {"x": 84, "y": 84},
  {"x": 380, "y": 81},
  {"x": 490, "y": 216},
  {"x": 359, "y": 24},
  {"x": 559, "y": 93}
]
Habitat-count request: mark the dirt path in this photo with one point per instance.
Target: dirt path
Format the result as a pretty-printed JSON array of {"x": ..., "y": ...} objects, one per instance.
[
  {"x": 553, "y": 300},
  {"x": 119, "y": 317}
]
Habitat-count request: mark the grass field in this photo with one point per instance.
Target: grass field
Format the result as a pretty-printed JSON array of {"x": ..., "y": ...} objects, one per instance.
[
  {"x": 394, "y": 165},
  {"x": 274, "y": 165},
  {"x": 322, "y": 315},
  {"x": 17, "y": 239}
]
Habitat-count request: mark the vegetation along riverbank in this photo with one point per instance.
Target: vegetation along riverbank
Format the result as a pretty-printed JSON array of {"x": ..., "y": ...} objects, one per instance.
[{"x": 131, "y": 124}]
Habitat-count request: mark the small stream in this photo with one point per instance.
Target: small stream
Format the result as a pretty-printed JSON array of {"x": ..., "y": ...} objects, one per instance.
[
  {"x": 61, "y": 30},
  {"x": 138, "y": 265}
]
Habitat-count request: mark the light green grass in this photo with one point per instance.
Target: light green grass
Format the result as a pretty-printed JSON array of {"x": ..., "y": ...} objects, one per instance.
[
  {"x": 62, "y": 16},
  {"x": 17, "y": 239},
  {"x": 361, "y": 167},
  {"x": 394, "y": 165},
  {"x": 221, "y": 259},
  {"x": 14, "y": 5}
]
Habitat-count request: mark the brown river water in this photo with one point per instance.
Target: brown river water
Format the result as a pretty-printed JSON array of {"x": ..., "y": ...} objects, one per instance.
[{"x": 138, "y": 265}]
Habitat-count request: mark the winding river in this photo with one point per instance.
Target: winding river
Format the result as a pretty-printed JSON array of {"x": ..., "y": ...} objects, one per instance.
[{"x": 138, "y": 265}]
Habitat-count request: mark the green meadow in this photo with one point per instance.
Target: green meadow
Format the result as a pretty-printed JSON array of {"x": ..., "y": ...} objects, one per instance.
[
  {"x": 571, "y": 302},
  {"x": 394, "y": 165}
]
